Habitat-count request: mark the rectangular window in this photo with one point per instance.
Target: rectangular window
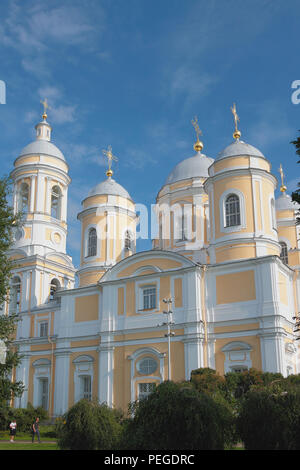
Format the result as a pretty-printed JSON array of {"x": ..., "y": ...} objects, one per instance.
[
  {"x": 145, "y": 389},
  {"x": 86, "y": 387},
  {"x": 43, "y": 329},
  {"x": 149, "y": 298},
  {"x": 44, "y": 393}
]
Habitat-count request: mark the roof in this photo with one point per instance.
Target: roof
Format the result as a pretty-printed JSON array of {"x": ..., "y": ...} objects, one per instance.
[
  {"x": 42, "y": 147},
  {"x": 193, "y": 167},
  {"x": 284, "y": 202},
  {"x": 238, "y": 148},
  {"x": 109, "y": 186}
]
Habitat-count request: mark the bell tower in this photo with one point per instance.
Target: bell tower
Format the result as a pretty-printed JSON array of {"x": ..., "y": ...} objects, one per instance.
[{"x": 40, "y": 188}]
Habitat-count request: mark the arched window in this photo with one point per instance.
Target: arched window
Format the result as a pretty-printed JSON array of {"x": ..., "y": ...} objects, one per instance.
[
  {"x": 92, "y": 242},
  {"x": 54, "y": 286},
  {"x": 15, "y": 294},
  {"x": 284, "y": 252},
  {"x": 232, "y": 210},
  {"x": 23, "y": 198},
  {"x": 56, "y": 202},
  {"x": 128, "y": 240}
]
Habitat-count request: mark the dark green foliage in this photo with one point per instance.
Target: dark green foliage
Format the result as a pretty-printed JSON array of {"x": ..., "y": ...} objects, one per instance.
[
  {"x": 270, "y": 419},
  {"x": 175, "y": 417},
  {"x": 23, "y": 416},
  {"x": 89, "y": 425},
  {"x": 8, "y": 221},
  {"x": 296, "y": 193},
  {"x": 239, "y": 383},
  {"x": 207, "y": 380}
]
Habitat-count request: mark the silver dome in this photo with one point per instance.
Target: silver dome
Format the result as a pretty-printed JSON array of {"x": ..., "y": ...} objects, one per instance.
[
  {"x": 42, "y": 147},
  {"x": 193, "y": 167},
  {"x": 111, "y": 187},
  {"x": 284, "y": 202},
  {"x": 238, "y": 148}
]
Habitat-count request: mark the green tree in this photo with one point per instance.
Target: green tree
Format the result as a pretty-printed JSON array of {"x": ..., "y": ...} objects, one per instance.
[
  {"x": 207, "y": 380},
  {"x": 270, "y": 419},
  {"x": 89, "y": 425},
  {"x": 296, "y": 193},
  {"x": 239, "y": 383},
  {"x": 177, "y": 417},
  {"x": 8, "y": 222}
]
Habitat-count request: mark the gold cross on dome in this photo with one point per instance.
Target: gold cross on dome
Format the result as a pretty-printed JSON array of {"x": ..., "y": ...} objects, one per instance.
[
  {"x": 236, "y": 133},
  {"x": 46, "y": 106},
  {"x": 235, "y": 116},
  {"x": 110, "y": 157},
  {"x": 282, "y": 187},
  {"x": 196, "y": 127}
]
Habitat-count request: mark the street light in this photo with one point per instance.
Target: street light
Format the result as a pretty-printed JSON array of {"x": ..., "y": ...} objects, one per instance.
[{"x": 170, "y": 333}]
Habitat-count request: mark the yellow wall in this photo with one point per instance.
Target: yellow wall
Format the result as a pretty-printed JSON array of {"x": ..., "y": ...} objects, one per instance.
[
  {"x": 232, "y": 252},
  {"x": 235, "y": 287},
  {"x": 86, "y": 308}
]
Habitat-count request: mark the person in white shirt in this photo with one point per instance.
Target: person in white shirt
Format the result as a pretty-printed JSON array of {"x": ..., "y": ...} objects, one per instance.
[{"x": 12, "y": 430}]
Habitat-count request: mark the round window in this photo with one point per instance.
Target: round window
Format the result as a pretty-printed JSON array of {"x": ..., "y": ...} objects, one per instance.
[{"x": 147, "y": 366}]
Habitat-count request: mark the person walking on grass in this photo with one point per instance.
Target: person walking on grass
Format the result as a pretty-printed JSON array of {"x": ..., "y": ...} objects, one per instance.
[
  {"x": 12, "y": 430},
  {"x": 36, "y": 430}
]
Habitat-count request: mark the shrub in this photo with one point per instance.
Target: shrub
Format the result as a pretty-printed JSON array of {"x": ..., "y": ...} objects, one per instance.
[
  {"x": 175, "y": 417},
  {"x": 23, "y": 416},
  {"x": 270, "y": 419},
  {"x": 88, "y": 425}
]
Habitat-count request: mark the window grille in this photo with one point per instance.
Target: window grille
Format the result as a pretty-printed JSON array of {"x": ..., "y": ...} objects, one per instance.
[
  {"x": 92, "y": 242},
  {"x": 284, "y": 253},
  {"x": 86, "y": 387},
  {"x": 147, "y": 366},
  {"x": 44, "y": 393},
  {"x": 145, "y": 389},
  {"x": 56, "y": 202},
  {"x": 149, "y": 298},
  {"x": 43, "y": 329},
  {"x": 232, "y": 211}
]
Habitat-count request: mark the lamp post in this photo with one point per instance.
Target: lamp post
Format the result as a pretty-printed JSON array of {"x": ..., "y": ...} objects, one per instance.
[{"x": 170, "y": 333}]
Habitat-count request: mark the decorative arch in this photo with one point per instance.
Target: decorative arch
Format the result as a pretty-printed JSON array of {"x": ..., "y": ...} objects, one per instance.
[
  {"x": 54, "y": 287},
  {"x": 159, "y": 373},
  {"x": 237, "y": 356}
]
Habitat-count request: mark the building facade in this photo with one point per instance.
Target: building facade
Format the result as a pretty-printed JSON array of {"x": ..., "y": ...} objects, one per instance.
[{"x": 225, "y": 265}]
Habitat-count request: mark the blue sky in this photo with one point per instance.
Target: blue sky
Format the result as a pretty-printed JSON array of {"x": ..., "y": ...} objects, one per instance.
[{"x": 133, "y": 73}]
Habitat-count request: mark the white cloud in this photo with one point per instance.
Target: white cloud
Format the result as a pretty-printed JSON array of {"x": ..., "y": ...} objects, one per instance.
[{"x": 41, "y": 29}]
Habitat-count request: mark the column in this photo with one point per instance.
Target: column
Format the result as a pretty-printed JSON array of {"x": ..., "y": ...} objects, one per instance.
[
  {"x": 106, "y": 364},
  {"x": 61, "y": 381}
]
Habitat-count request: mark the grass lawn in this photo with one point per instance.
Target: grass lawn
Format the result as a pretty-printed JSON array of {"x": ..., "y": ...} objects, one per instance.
[
  {"x": 23, "y": 440},
  {"x": 19, "y": 445}
]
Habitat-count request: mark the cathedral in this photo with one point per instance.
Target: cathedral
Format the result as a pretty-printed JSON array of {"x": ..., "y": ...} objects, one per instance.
[{"x": 220, "y": 287}]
